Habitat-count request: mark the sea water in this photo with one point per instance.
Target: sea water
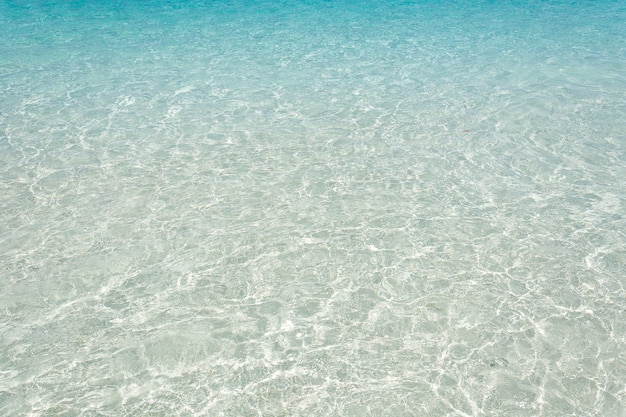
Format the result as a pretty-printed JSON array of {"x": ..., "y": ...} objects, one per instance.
[{"x": 312, "y": 208}]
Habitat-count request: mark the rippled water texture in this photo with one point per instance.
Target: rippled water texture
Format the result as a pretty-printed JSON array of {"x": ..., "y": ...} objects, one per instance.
[{"x": 312, "y": 208}]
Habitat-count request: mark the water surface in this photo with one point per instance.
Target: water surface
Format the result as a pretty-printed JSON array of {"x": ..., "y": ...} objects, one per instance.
[{"x": 307, "y": 208}]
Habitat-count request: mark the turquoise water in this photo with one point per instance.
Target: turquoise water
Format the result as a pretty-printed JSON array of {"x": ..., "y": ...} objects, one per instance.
[{"x": 312, "y": 208}]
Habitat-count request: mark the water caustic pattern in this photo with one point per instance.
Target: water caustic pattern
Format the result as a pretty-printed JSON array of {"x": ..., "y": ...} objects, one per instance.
[{"x": 317, "y": 208}]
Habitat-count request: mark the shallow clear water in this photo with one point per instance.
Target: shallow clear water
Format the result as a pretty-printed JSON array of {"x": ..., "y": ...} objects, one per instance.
[{"x": 307, "y": 208}]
